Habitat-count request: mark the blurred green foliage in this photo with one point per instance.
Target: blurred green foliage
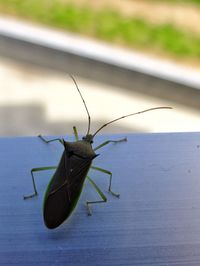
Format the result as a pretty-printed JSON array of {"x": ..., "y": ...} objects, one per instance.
[{"x": 108, "y": 25}]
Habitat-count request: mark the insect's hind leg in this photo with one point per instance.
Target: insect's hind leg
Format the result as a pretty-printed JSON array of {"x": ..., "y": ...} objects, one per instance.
[
  {"x": 109, "y": 141},
  {"x": 51, "y": 140},
  {"x": 110, "y": 180},
  {"x": 104, "y": 199},
  {"x": 33, "y": 180}
]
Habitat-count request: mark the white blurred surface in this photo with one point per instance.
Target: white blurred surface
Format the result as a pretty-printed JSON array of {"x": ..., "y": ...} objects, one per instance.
[{"x": 24, "y": 85}]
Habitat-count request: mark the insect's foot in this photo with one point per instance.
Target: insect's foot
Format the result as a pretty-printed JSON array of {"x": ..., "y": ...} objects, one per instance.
[
  {"x": 43, "y": 139},
  {"x": 30, "y": 196},
  {"x": 120, "y": 140},
  {"x": 117, "y": 195},
  {"x": 89, "y": 212}
]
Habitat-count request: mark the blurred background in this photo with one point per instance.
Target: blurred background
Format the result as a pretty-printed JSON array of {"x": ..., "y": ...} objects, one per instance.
[{"x": 126, "y": 56}]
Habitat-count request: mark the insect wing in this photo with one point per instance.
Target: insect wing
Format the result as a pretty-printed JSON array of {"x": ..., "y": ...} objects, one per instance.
[{"x": 61, "y": 199}]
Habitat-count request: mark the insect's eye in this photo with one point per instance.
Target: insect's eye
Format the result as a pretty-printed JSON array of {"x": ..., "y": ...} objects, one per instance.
[{"x": 91, "y": 141}]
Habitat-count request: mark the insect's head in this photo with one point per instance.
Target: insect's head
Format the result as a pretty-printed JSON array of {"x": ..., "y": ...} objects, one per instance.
[{"x": 88, "y": 138}]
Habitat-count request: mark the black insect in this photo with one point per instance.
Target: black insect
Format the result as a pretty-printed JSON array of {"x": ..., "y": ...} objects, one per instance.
[{"x": 65, "y": 186}]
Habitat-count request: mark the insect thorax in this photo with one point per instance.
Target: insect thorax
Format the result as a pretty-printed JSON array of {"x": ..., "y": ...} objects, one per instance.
[{"x": 80, "y": 148}]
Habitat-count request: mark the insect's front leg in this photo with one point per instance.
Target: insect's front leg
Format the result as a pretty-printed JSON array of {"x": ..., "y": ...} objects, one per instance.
[
  {"x": 51, "y": 140},
  {"x": 33, "y": 180},
  {"x": 110, "y": 179},
  {"x": 109, "y": 141},
  {"x": 75, "y": 133}
]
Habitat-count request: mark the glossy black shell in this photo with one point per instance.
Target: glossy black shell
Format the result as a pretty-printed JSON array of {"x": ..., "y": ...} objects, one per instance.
[{"x": 65, "y": 186}]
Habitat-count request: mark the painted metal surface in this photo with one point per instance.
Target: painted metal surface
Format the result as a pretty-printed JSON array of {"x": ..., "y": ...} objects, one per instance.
[{"x": 155, "y": 222}]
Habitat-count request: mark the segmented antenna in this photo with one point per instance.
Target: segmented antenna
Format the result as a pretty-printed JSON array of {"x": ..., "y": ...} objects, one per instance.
[
  {"x": 89, "y": 119},
  {"x": 147, "y": 110}
]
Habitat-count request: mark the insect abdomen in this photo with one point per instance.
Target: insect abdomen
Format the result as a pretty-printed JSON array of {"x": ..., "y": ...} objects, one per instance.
[
  {"x": 57, "y": 208},
  {"x": 64, "y": 189}
]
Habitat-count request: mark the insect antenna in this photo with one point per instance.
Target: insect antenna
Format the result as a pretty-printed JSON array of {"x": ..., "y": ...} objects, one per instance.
[
  {"x": 89, "y": 119},
  {"x": 137, "y": 113}
]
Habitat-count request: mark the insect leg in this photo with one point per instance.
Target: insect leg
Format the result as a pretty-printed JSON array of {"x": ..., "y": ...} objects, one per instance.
[
  {"x": 109, "y": 141},
  {"x": 33, "y": 180},
  {"x": 75, "y": 133},
  {"x": 47, "y": 141},
  {"x": 110, "y": 179},
  {"x": 104, "y": 199}
]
